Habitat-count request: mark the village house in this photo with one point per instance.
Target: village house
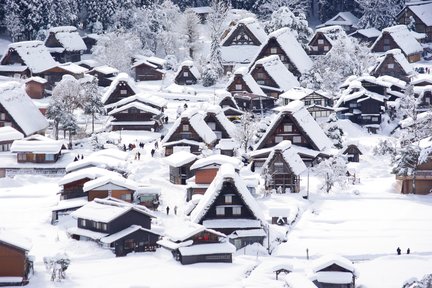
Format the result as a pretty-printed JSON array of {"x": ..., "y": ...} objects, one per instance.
[
  {"x": 191, "y": 130},
  {"x": 229, "y": 106},
  {"x": 148, "y": 196},
  {"x": 324, "y": 39},
  {"x": 272, "y": 76},
  {"x": 346, "y": 20},
  {"x": 179, "y": 166},
  {"x": 393, "y": 63},
  {"x": 399, "y": 37},
  {"x": 283, "y": 43},
  {"x": 90, "y": 40},
  {"x": 204, "y": 171},
  {"x": 110, "y": 159},
  {"x": 241, "y": 44},
  {"x": 423, "y": 175},
  {"x": 105, "y": 74},
  {"x": 202, "y": 12},
  {"x": 116, "y": 225},
  {"x": 282, "y": 169},
  {"x": 26, "y": 59},
  {"x": 218, "y": 122},
  {"x": 296, "y": 124},
  {"x": 35, "y": 87},
  {"x": 241, "y": 81},
  {"x": 352, "y": 152},
  {"x": 228, "y": 207},
  {"x": 120, "y": 88},
  {"x": 37, "y": 149},
  {"x": 366, "y": 36},
  {"x": 193, "y": 243},
  {"x": 333, "y": 271},
  {"x": 149, "y": 68},
  {"x": 227, "y": 147},
  {"x": 110, "y": 185},
  {"x": 7, "y": 136},
  {"x": 187, "y": 74},
  {"x": 15, "y": 262},
  {"x": 319, "y": 103},
  {"x": 18, "y": 111},
  {"x": 65, "y": 44},
  {"x": 56, "y": 73},
  {"x": 419, "y": 14}
]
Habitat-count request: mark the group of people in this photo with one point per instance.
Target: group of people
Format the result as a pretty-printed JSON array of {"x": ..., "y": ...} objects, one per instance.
[
  {"x": 78, "y": 157},
  {"x": 399, "y": 251},
  {"x": 168, "y": 209}
]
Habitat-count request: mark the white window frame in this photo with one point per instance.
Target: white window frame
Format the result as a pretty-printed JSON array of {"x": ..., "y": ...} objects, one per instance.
[
  {"x": 220, "y": 211},
  {"x": 297, "y": 139},
  {"x": 2, "y": 116},
  {"x": 228, "y": 199},
  {"x": 185, "y": 74},
  {"x": 238, "y": 86},
  {"x": 278, "y": 139},
  {"x": 273, "y": 50},
  {"x": 288, "y": 127},
  {"x": 236, "y": 210}
]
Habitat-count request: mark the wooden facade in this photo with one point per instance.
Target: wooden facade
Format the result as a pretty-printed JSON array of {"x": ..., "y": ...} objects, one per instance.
[
  {"x": 272, "y": 47},
  {"x": 280, "y": 175},
  {"x": 262, "y": 77},
  {"x": 404, "y": 17},
  {"x": 14, "y": 60},
  {"x": 389, "y": 66},
  {"x": 134, "y": 118},
  {"x": 353, "y": 153},
  {"x": 104, "y": 80},
  {"x": 366, "y": 112},
  {"x": 141, "y": 240},
  {"x": 254, "y": 103},
  {"x": 423, "y": 181},
  {"x": 386, "y": 42},
  {"x": 185, "y": 77},
  {"x": 238, "y": 85},
  {"x": 319, "y": 44},
  {"x": 6, "y": 119},
  {"x": 121, "y": 91},
  {"x": 148, "y": 72},
  {"x": 241, "y": 36},
  {"x": 194, "y": 146},
  {"x": 74, "y": 189},
  {"x": 119, "y": 193},
  {"x": 178, "y": 175},
  {"x": 30, "y": 157},
  {"x": 63, "y": 56},
  {"x": 14, "y": 262}
]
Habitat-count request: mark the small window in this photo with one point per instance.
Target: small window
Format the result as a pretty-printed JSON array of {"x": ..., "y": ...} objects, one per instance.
[
  {"x": 287, "y": 128},
  {"x": 83, "y": 222},
  {"x": 282, "y": 58},
  {"x": 228, "y": 199},
  {"x": 238, "y": 87},
  {"x": 320, "y": 41},
  {"x": 236, "y": 210},
  {"x": 185, "y": 74},
  {"x": 2, "y": 116},
  {"x": 260, "y": 75},
  {"x": 297, "y": 139},
  {"x": 314, "y": 48},
  {"x": 390, "y": 66},
  {"x": 317, "y": 102},
  {"x": 375, "y": 119},
  {"x": 185, "y": 127},
  {"x": 273, "y": 50},
  {"x": 212, "y": 125},
  {"x": 97, "y": 225},
  {"x": 326, "y": 48},
  {"x": 260, "y": 82},
  {"x": 49, "y": 157},
  {"x": 126, "y": 197},
  {"x": 123, "y": 92},
  {"x": 386, "y": 41},
  {"x": 278, "y": 139},
  {"x": 307, "y": 102},
  {"x": 220, "y": 211},
  {"x": 104, "y": 227}
]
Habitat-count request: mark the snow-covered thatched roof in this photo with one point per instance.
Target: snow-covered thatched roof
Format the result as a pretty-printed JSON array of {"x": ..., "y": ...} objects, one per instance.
[
  {"x": 253, "y": 25},
  {"x": 292, "y": 49},
  {"x": 423, "y": 11},
  {"x": 180, "y": 158},
  {"x": 15, "y": 240},
  {"x": 248, "y": 79},
  {"x": 68, "y": 37},
  {"x": 90, "y": 173},
  {"x": 216, "y": 110},
  {"x": 226, "y": 173},
  {"x": 305, "y": 121},
  {"x": 135, "y": 104},
  {"x": 112, "y": 179},
  {"x": 403, "y": 38},
  {"x": 21, "y": 108},
  {"x": 218, "y": 160},
  {"x": 34, "y": 54},
  {"x": 121, "y": 77},
  {"x": 189, "y": 64},
  {"x": 299, "y": 93},
  {"x": 127, "y": 231},
  {"x": 343, "y": 19},
  {"x": 399, "y": 58},
  {"x": 278, "y": 72},
  {"x": 327, "y": 260},
  {"x": 182, "y": 231},
  {"x": 8, "y": 133},
  {"x": 146, "y": 98},
  {"x": 333, "y": 33},
  {"x": 291, "y": 157},
  {"x": 368, "y": 32},
  {"x": 105, "y": 69},
  {"x": 101, "y": 161}
]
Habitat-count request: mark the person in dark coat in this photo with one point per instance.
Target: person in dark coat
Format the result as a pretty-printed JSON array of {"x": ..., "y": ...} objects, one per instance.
[
  {"x": 152, "y": 152},
  {"x": 139, "y": 155},
  {"x": 167, "y": 209},
  {"x": 398, "y": 250},
  {"x": 175, "y": 211},
  {"x": 408, "y": 251}
]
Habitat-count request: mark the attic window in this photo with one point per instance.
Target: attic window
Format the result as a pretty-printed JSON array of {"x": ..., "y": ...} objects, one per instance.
[
  {"x": 297, "y": 139},
  {"x": 2, "y": 116},
  {"x": 236, "y": 210},
  {"x": 123, "y": 91},
  {"x": 326, "y": 48},
  {"x": 228, "y": 199},
  {"x": 185, "y": 74},
  {"x": 212, "y": 125},
  {"x": 320, "y": 41},
  {"x": 238, "y": 86},
  {"x": 287, "y": 128},
  {"x": 185, "y": 127},
  {"x": 278, "y": 167},
  {"x": 220, "y": 211},
  {"x": 390, "y": 66},
  {"x": 273, "y": 50}
]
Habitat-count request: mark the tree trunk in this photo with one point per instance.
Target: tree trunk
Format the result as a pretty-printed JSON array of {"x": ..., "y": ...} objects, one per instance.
[
  {"x": 414, "y": 180},
  {"x": 70, "y": 139},
  {"x": 93, "y": 119},
  {"x": 56, "y": 130}
]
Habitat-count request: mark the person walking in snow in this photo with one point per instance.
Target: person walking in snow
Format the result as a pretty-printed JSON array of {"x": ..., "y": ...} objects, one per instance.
[
  {"x": 398, "y": 250},
  {"x": 139, "y": 155},
  {"x": 175, "y": 211},
  {"x": 408, "y": 251},
  {"x": 167, "y": 210},
  {"x": 152, "y": 152}
]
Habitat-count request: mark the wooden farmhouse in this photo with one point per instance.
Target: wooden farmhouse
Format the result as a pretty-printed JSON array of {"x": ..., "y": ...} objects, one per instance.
[
  {"x": 65, "y": 44},
  {"x": 204, "y": 171},
  {"x": 193, "y": 243},
  {"x": 149, "y": 68},
  {"x": 187, "y": 74},
  {"x": 110, "y": 159},
  {"x": 230, "y": 107},
  {"x": 149, "y": 100},
  {"x": 179, "y": 166},
  {"x": 319, "y": 103},
  {"x": 242, "y": 82},
  {"x": 15, "y": 263},
  {"x": 116, "y": 225},
  {"x": 90, "y": 40},
  {"x": 324, "y": 39},
  {"x": 393, "y": 63},
  {"x": 105, "y": 74},
  {"x": 282, "y": 169},
  {"x": 202, "y": 12},
  {"x": 399, "y": 37},
  {"x": 228, "y": 207},
  {"x": 148, "y": 196},
  {"x": 120, "y": 88},
  {"x": 35, "y": 87},
  {"x": 424, "y": 94},
  {"x": 272, "y": 76},
  {"x": 366, "y": 36},
  {"x": 346, "y": 20},
  {"x": 191, "y": 130},
  {"x": 333, "y": 271},
  {"x": 74, "y": 181},
  {"x": 56, "y": 73},
  {"x": 110, "y": 186},
  {"x": 25, "y": 59},
  {"x": 423, "y": 175},
  {"x": 352, "y": 152},
  {"x": 7, "y": 136},
  {"x": 283, "y": 43},
  {"x": 37, "y": 149},
  {"x": 296, "y": 124},
  {"x": 215, "y": 118},
  {"x": 421, "y": 13},
  {"x": 227, "y": 147},
  {"x": 241, "y": 44}
]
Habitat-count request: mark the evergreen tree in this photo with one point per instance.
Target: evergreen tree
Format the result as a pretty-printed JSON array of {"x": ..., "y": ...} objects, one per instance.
[
  {"x": 379, "y": 13},
  {"x": 190, "y": 30},
  {"x": 215, "y": 22},
  {"x": 91, "y": 101},
  {"x": 62, "y": 12},
  {"x": 265, "y": 8}
]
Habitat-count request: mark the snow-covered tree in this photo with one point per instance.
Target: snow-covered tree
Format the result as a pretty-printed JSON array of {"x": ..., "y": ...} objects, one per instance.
[
  {"x": 91, "y": 101},
  {"x": 190, "y": 31},
  {"x": 117, "y": 49},
  {"x": 13, "y": 22},
  {"x": 57, "y": 266},
  {"x": 265, "y": 8},
  {"x": 169, "y": 36},
  {"x": 62, "y": 12},
  {"x": 426, "y": 282},
  {"x": 298, "y": 24},
  {"x": 216, "y": 21},
  {"x": 334, "y": 171},
  {"x": 245, "y": 132},
  {"x": 379, "y": 13},
  {"x": 335, "y": 134},
  {"x": 209, "y": 76}
]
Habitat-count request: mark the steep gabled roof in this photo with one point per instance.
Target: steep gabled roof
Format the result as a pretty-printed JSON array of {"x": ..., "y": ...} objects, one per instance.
[
  {"x": 299, "y": 93},
  {"x": 34, "y": 54},
  {"x": 90, "y": 173},
  {"x": 147, "y": 98},
  {"x": 68, "y": 37},
  {"x": 292, "y": 48},
  {"x": 192, "y": 68},
  {"x": 227, "y": 125},
  {"x": 110, "y": 178},
  {"x": 399, "y": 58},
  {"x": 226, "y": 173},
  {"x": 251, "y": 24},
  {"x": 217, "y": 159},
  {"x": 333, "y": 33},
  {"x": 290, "y": 156},
  {"x": 403, "y": 37},
  {"x": 342, "y": 18},
  {"x": 121, "y": 77},
  {"x": 21, "y": 108},
  {"x": 305, "y": 122},
  {"x": 327, "y": 260},
  {"x": 422, "y": 11},
  {"x": 137, "y": 105},
  {"x": 248, "y": 79},
  {"x": 278, "y": 72}
]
